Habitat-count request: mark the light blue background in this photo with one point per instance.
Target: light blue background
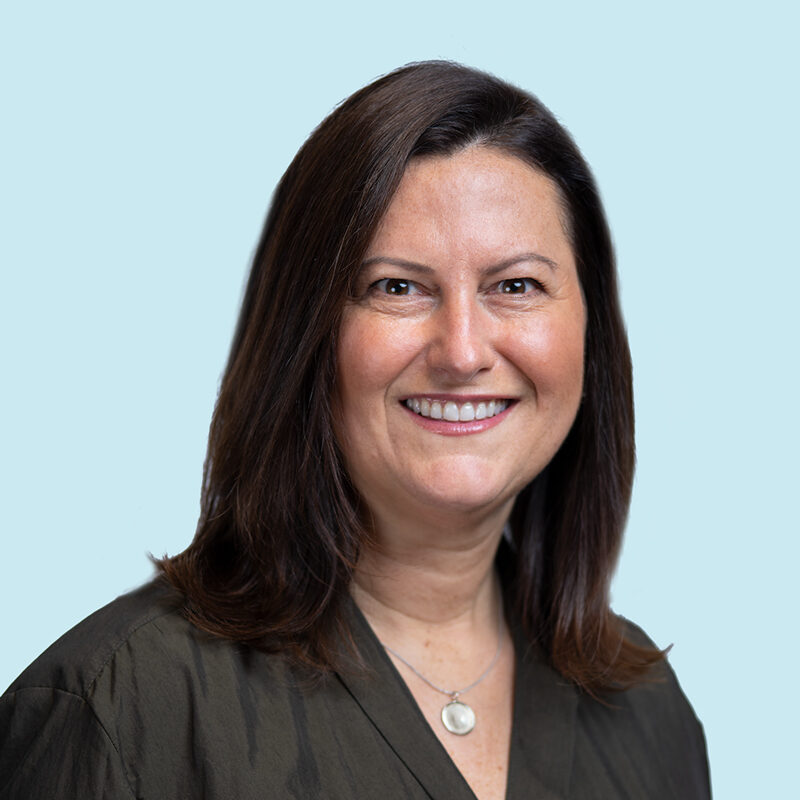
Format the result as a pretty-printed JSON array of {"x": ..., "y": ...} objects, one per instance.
[{"x": 139, "y": 148}]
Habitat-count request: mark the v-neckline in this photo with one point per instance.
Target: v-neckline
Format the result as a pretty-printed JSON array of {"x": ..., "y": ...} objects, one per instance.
[{"x": 542, "y": 732}]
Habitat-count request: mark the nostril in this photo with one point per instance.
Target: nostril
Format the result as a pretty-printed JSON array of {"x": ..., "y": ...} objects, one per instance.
[{"x": 459, "y": 346}]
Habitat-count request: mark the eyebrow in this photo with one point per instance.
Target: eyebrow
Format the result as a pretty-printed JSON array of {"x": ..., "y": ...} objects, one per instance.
[{"x": 423, "y": 269}]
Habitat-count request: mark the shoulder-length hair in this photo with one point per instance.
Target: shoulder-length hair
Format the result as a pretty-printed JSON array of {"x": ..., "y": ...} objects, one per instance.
[{"x": 280, "y": 532}]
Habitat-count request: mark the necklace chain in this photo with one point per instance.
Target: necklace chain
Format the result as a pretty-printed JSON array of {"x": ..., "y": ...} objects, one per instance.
[{"x": 453, "y": 694}]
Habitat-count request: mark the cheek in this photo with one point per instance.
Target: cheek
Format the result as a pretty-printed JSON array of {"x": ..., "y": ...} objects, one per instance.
[
  {"x": 371, "y": 354},
  {"x": 551, "y": 356}
]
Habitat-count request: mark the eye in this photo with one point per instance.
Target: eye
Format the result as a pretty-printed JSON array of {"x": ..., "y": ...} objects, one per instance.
[
  {"x": 394, "y": 286},
  {"x": 518, "y": 286}
]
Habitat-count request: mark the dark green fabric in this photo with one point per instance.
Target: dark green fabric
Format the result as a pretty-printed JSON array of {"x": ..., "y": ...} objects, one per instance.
[{"x": 135, "y": 702}]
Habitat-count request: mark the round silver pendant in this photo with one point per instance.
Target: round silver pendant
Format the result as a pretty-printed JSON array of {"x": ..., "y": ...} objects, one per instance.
[{"x": 458, "y": 718}]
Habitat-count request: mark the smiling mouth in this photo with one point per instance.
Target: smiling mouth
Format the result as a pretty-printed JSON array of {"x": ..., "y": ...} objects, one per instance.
[{"x": 450, "y": 411}]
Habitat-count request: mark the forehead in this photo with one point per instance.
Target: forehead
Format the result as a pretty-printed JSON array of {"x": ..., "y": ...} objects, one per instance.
[{"x": 479, "y": 200}]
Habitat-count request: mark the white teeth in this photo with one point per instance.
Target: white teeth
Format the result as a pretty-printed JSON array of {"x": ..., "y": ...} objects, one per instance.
[{"x": 453, "y": 412}]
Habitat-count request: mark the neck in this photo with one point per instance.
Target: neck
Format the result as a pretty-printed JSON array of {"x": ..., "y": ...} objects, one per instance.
[{"x": 430, "y": 577}]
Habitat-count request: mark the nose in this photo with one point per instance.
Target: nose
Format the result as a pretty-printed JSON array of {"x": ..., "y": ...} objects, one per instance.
[{"x": 461, "y": 340}]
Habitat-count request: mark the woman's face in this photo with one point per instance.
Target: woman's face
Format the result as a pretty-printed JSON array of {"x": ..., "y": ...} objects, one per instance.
[{"x": 460, "y": 361}]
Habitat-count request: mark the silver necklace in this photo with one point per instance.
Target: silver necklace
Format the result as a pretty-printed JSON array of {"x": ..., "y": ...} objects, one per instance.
[{"x": 457, "y": 716}]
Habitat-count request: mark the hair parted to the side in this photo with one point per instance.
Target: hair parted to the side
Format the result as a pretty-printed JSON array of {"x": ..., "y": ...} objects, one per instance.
[{"x": 279, "y": 532}]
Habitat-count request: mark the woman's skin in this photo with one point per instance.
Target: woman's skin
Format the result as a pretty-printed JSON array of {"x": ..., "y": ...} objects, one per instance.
[{"x": 469, "y": 296}]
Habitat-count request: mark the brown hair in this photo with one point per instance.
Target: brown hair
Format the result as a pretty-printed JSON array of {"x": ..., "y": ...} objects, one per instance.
[{"x": 279, "y": 531}]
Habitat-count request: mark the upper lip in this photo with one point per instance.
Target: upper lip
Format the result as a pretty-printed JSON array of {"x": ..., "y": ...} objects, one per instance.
[{"x": 456, "y": 398}]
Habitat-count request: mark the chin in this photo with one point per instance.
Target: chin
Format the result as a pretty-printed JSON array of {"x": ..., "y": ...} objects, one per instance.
[{"x": 468, "y": 492}]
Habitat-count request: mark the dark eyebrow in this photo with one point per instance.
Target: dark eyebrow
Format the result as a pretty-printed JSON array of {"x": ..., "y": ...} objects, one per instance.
[
  {"x": 423, "y": 269},
  {"x": 509, "y": 262}
]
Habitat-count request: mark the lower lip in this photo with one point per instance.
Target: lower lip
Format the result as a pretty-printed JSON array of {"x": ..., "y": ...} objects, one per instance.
[{"x": 445, "y": 428}]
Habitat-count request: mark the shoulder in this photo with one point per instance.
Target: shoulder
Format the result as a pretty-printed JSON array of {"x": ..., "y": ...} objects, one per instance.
[
  {"x": 79, "y": 658},
  {"x": 122, "y": 689},
  {"x": 139, "y": 653},
  {"x": 648, "y": 734},
  {"x": 658, "y": 698},
  {"x": 57, "y": 741}
]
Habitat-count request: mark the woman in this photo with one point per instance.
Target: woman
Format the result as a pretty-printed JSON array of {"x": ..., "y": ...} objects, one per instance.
[{"x": 419, "y": 469}]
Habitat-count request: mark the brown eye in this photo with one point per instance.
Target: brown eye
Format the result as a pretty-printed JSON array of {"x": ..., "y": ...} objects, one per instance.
[
  {"x": 395, "y": 286},
  {"x": 517, "y": 286}
]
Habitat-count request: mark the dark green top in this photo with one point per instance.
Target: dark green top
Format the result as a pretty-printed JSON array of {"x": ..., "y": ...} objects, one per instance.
[{"x": 137, "y": 702}]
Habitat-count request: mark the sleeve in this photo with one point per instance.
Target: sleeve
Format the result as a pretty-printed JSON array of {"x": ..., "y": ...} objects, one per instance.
[{"x": 52, "y": 745}]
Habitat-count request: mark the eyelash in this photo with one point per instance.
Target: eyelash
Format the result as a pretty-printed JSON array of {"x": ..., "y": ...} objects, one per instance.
[
  {"x": 502, "y": 287},
  {"x": 534, "y": 285},
  {"x": 382, "y": 286}
]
